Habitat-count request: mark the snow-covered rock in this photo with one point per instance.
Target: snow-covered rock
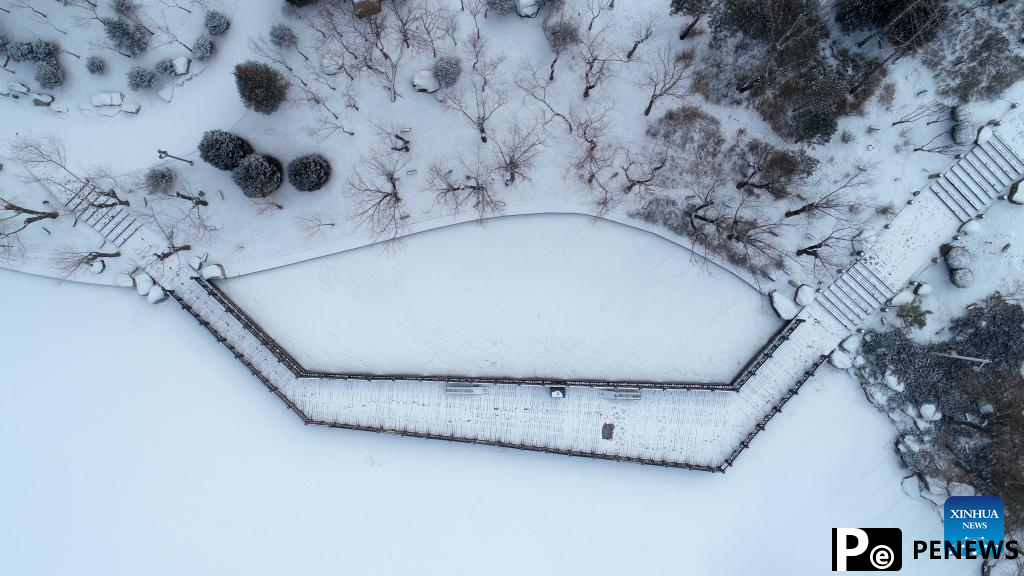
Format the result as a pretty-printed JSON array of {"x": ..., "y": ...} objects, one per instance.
[
  {"x": 527, "y": 8},
  {"x": 156, "y": 295},
  {"x": 1016, "y": 195},
  {"x": 5, "y": 90},
  {"x": 19, "y": 88},
  {"x": 851, "y": 343},
  {"x": 922, "y": 288},
  {"x": 930, "y": 412},
  {"x": 125, "y": 280},
  {"x": 424, "y": 81},
  {"x": 143, "y": 283},
  {"x": 131, "y": 107},
  {"x": 840, "y": 359},
  {"x": 107, "y": 99},
  {"x": 42, "y": 99},
  {"x": 986, "y": 409},
  {"x": 970, "y": 227},
  {"x": 962, "y": 277},
  {"x": 97, "y": 266},
  {"x": 958, "y": 257},
  {"x": 963, "y": 133},
  {"x": 805, "y": 295},
  {"x": 902, "y": 298},
  {"x": 213, "y": 272},
  {"x": 784, "y": 307},
  {"x": 859, "y": 361},
  {"x": 985, "y": 134},
  {"x": 166, "y": 93},
  {"x": 182, "y": 65},
  {"x": 195, "y": 262},
  {"x": 108, "y": 111},
  {"x": 366, "y": 8},
  {"x": 893, "y": 383}
]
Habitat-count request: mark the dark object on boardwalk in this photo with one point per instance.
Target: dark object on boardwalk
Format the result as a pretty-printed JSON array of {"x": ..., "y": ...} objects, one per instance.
[
  {"x": 309, "y": 172},
  {"x": 223, "y": 150},
  {"x": 258, "y": 175}
]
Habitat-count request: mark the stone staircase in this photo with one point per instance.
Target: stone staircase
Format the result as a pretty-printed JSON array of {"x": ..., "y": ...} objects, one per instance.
[
  {"x": 980, "y": 176},
  {"x": 104, "y": 213},
  {"x": 858, "y": 293}
]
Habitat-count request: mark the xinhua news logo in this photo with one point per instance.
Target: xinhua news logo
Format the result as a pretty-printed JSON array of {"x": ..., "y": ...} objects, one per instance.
[
  {"x": 867, "y": 549},
  {"x": 973, "y": 519}
]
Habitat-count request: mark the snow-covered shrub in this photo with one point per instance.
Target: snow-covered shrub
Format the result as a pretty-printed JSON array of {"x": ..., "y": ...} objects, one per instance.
[
  {"x": 562, "y": 34},
  {"x": 128, "y": 37},
  {"x": 5, "y": 45},
  {"x": 20, "y": 51},
  {"x": 257, "y": 175},
  {"x": 447, "y": 70},
  {"x": 309, "y": 172},
  {"x": 166, "y": 67},
  {"x": 34, "y": 51},
  {"x": 204, "y": 48},
  {"x": 160, "y": 179},
  {"x": 958, "y": 257},
  {"x": 123, "y": 7},
  {"x": 502, "y": 6},
  {"x": 216, "y": 23},
  {"x": 140, "y": 78},
  {"x": 49, "y": 74},
  {"x": 95, "y": 65},
  {"x": 282, "y": 36},
  {"x": 223, "y": 150},
  {"x": 261, "y": 87}
]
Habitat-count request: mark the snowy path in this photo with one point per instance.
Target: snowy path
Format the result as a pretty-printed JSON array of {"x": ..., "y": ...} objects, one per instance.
[{"x": 701, "y": 429}]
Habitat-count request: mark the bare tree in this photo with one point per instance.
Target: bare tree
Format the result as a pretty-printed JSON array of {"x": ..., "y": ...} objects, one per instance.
[
  {"x": 479, "y": 105},
  {"x": 374, "y": 186},
  {"x": 517, "y": 152},
  {"x": 640, "y": 31},
  {"x": 594, "y": 156},
  {"x": 70, "y": 261},
  {"x": 313, "y": 224},
  {"x": 840, "y": 203},
  {"x": 598, "y": 59},
  {"x": 535, "y": 86},
  {"x": 475, "y": 188},
  {"x": 831, "y": 251},
  {"x": 933, "y": 110},
  {"x": 666, "y": 75},
  {"x": 15, "y": 219}
]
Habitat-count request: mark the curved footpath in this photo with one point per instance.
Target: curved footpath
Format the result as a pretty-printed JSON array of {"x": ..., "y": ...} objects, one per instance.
[{"x": 699, "y": 429}]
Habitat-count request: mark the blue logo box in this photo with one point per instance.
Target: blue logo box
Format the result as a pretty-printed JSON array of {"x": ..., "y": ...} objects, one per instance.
[{"x": 978, "y": 518}]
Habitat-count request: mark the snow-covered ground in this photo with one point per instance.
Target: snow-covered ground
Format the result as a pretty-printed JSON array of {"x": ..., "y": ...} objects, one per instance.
[
  {"x": 168, "y": 459},
  {"x": 549, "y": 295}
]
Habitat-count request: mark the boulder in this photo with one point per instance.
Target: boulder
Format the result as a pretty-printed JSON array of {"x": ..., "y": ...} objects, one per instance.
[
  {"x": 19, "y": 88},
  {"x": 893, "y": 383},
  {"x": 962, "y": 277},
  {"x": 922, "y": 289},
  {"x": 985, "y": 134},
  {"x": 195, "y": 262},
  {"x": 424, "y": 81},
  {"x": 130, "y": 108},
  {"x": 840, "y": 359},
  {"x": 1016, "y": 195},
  {"x": 851, "y": 343},
  {"x": 125, "y": 280},
  {"x": 107, "y": 99},
  {"x": 97, "y": 266},
  {"x": 42, "y": 99},
  {"x": 805, "y": 295},
  {"x": 143, "y": 283},
  {"x": 213, "y": 272},
  {"x": 527, "y": 8},
  {"x": 784, "y": 307},
  {"x": 970, "y": 227},
  {"x": 930, "y": 413},
  {"x": 156, "y": 295},
  {"x": 182, "y": 65},
  {"x": 958, "y": 257},
  {"x": 166, "y": 93}
]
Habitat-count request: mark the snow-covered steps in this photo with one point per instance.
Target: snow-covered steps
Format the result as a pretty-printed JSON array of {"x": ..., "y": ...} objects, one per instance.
[
  {"x": 103, "y": 213},
  {"x": 858, "y": 292},
  {"x": 968, "y": 187}
]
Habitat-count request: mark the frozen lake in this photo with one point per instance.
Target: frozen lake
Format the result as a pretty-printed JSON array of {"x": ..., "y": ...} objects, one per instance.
[{"x": 548, "y": 296}]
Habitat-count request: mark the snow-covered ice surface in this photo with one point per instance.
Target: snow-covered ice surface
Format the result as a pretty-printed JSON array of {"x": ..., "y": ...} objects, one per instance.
[
  {"x": 561, "y": 296},
  {"x": 196, "y": 472}
]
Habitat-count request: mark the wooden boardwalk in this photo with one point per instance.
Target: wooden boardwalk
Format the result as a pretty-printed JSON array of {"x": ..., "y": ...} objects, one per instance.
[{"x": 704, "y": 429}]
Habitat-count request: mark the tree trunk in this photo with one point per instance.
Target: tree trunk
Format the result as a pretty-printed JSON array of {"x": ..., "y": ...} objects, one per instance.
[{"x": 693, "y": 24}]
